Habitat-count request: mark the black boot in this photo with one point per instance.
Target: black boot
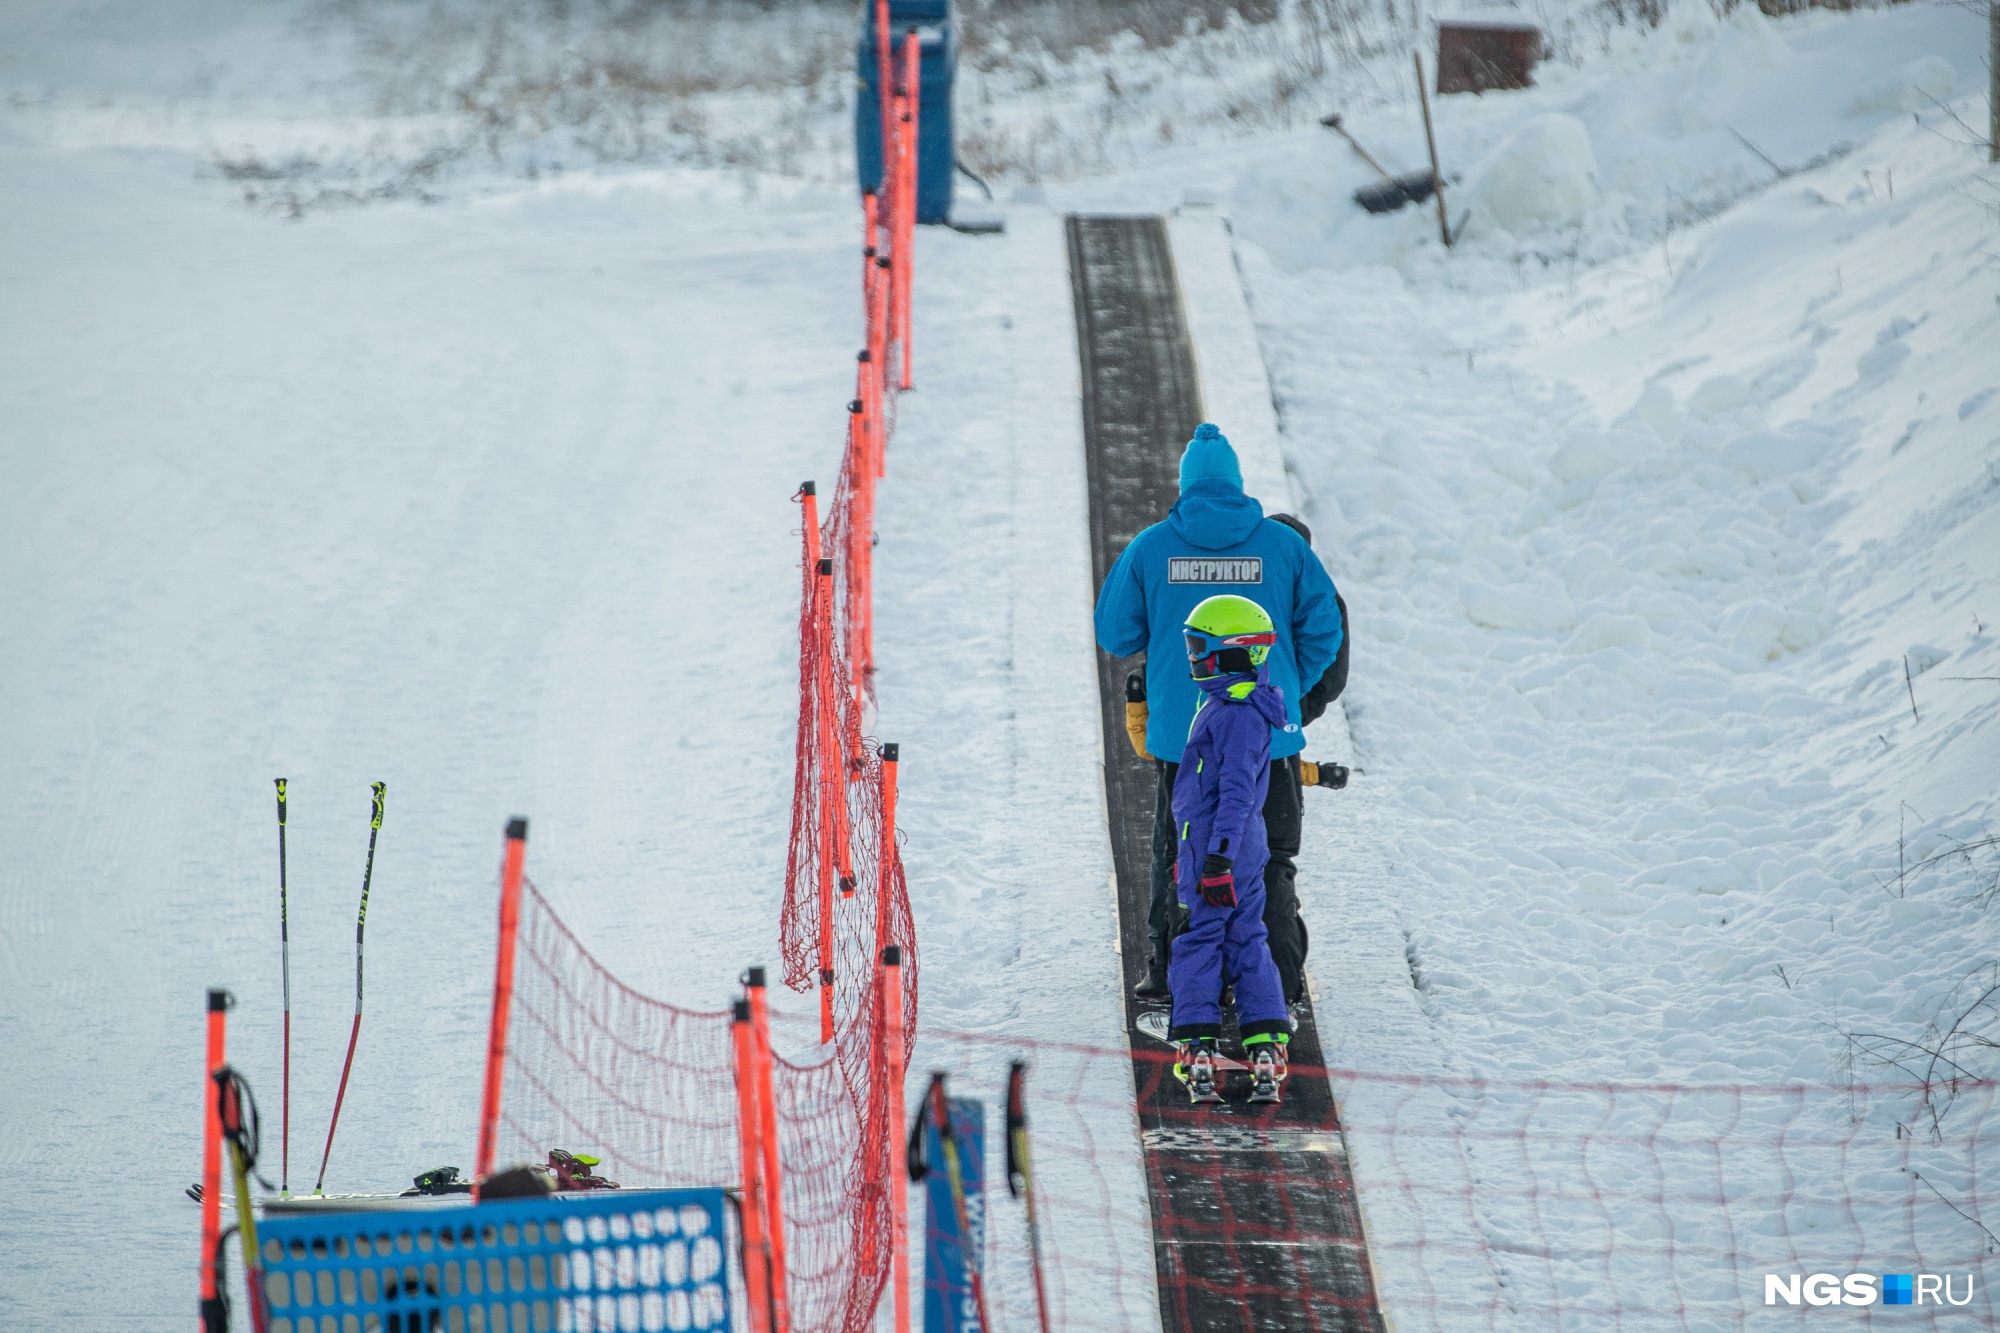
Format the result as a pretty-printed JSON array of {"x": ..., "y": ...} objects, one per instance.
[{"x": 1155, "y": 984}]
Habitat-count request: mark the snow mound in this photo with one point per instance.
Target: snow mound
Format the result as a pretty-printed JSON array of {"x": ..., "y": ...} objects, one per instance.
[
  {"x": 1542, "y": 175},
  {"x": 1917, "y": 86}
]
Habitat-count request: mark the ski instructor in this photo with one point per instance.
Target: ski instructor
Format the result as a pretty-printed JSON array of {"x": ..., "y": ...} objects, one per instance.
[{"x": 1217, "y": 540}]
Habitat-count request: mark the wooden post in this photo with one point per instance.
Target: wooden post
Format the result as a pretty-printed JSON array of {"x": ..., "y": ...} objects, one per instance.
[
  {"x": 756, "y": 1244},
  {"x": 1430, "y": 139},
  {"x": 767, "y": 1135},
  {"x": 898, "y": 1165},
  {"x": 211, "y": 1151},
  {"x": 503, "y": 999}
]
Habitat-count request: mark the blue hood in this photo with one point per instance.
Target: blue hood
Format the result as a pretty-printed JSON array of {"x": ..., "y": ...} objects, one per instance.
[
  {"x": 1262, "y": 695},
  {"x": 1214, "y": 515}
]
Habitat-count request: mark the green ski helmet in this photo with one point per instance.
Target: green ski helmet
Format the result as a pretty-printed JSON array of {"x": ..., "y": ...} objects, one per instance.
[{"x": 1228, "y": 635}]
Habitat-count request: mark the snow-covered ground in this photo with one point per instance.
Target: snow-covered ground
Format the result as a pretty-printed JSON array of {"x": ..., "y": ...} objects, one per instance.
[
  {"x": 489, "y": 502},
  {"x": 1640, "y": 503}
]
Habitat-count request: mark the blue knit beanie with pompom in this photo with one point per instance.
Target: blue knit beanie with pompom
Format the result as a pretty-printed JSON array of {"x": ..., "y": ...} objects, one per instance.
[{"x": 1209, "y": 456}]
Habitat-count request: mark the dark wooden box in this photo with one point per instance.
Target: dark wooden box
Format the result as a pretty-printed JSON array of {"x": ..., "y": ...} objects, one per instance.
[{"x": 1477, "y": 54}]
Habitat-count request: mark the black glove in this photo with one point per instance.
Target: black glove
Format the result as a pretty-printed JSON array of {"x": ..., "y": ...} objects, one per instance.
[{"x": 1218, "y": 881}]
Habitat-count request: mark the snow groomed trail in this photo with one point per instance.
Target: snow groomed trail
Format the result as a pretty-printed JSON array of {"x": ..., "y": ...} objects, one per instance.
[{"x": 1255, "y": 1222}]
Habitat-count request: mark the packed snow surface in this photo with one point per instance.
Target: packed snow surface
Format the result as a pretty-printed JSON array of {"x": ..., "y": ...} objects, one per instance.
[{"x": 1666, "y": 508}]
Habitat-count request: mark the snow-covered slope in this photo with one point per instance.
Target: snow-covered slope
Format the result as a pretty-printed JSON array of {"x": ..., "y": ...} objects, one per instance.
[{"x": 490, "y": 502}]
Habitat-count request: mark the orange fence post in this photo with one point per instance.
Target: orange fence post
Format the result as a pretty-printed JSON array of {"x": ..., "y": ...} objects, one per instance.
[
  {"x": 885, "y": 293},
  {"x": 833, "y": 770},
  {"x": 906, "y": 239},
  {"x": 868, "y": 389},
  {"x": 830, "y": 778},
  {"x": 884, "y": 77},
  {"x": 503, "y": 998},
  {"x": 870, "y": 247},
  {"x": 756, "y": 1245},
  {"x": 899, "y": 1167},
  {"x": 885, "y": 871},
  {"x": 767, "y": 1124},
  {"x": 211, "y": 1159}
]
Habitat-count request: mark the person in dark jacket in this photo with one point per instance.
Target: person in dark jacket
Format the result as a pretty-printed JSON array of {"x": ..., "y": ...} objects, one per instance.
[
  {"x": 1329, "y": 687},
  {"x": 1216, "y": 540},
  {"x": 1219, "y": 796}
]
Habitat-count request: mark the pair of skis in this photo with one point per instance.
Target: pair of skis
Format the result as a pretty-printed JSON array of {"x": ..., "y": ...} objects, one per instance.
[
  {"x": 285, "y": 949},
  {"x": 1264, "y": 1089}
]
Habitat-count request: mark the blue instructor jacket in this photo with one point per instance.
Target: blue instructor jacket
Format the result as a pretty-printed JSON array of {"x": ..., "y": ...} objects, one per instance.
[{"x": 1217, "y": 540}]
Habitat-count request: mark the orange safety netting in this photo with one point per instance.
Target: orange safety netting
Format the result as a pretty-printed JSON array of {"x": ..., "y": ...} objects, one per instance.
[{"x": 594, "y": 1066}]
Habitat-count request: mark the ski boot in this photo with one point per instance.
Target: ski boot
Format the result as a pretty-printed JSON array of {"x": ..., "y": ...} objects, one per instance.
[
  {"x": 1266, "y": 1056},
  {"x": 1155, "y": 984},
  {"x": 577, "y": 1171},
  {"x": 1195, "y": 1066}
]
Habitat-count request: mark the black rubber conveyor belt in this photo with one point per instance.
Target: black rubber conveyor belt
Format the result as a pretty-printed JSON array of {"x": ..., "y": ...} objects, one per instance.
[{"x": 1255, "y": 1225}]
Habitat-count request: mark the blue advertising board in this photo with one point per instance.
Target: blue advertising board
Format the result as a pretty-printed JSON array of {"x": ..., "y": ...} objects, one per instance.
[{"x": 610, "y": 1259}]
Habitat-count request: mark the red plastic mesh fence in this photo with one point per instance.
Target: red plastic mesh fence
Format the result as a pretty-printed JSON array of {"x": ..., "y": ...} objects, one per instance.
[
  {"x": 845, "y": 894},
  {"x": 595, "y": 1066},
  {"x": 1489, "y": 1204}
]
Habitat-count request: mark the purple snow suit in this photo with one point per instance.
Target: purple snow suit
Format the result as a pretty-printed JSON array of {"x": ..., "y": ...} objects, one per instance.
[{"x": 1219, "y": 804}]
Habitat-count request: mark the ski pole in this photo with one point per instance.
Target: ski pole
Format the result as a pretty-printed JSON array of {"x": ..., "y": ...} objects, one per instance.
[
  {"x": 1021, "y": 1176},
  {"x": 285, "y": 957},
  {"x": 360, "y": 925},
  {"x": 941, "y": 1108},
  {"x": 236, "y": 1109}
]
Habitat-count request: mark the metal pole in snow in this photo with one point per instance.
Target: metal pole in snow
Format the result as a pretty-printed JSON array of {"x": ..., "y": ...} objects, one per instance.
[
  {"x": 285, "y": 963},
  {"x": 354, "y": 1034}
]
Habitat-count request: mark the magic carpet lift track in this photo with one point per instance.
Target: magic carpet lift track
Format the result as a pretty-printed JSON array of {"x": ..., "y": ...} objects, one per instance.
[{"x": 1255, "y": 1224}]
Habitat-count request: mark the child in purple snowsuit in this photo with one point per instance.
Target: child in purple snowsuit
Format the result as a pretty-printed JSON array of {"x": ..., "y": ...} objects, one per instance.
[{"x": 1218, "y": 804}]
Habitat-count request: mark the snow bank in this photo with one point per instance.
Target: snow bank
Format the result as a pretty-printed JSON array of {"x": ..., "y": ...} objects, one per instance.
[
  {"x": 1918, "y": 86},
  {"x": 1543, "y": 175}
]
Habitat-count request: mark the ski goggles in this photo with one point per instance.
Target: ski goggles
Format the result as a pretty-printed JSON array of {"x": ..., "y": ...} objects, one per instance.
[{"x": 1203, "y": 649}]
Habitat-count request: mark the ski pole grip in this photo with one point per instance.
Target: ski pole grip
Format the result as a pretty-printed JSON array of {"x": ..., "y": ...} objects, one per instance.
[
  {"x": 381, "y": 790},
  {"x": 281, "y": 802}
]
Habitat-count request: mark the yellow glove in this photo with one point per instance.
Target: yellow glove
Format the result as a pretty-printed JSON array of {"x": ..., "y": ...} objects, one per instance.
[
  {"x": 1135, "y": 727},
  {"x": 1308, "y": 773}
]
